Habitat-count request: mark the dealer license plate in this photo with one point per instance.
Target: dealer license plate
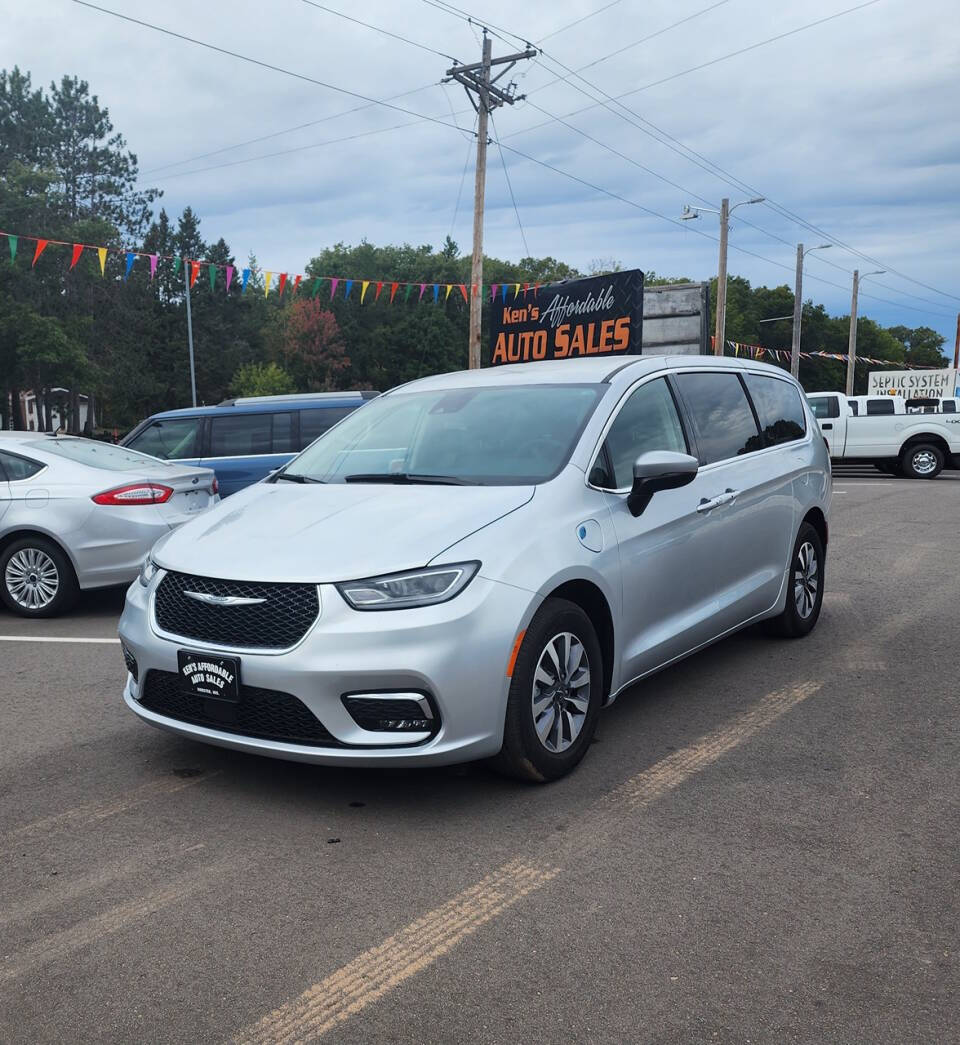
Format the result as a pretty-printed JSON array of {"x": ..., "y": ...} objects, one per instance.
[{"x": 205, "y": 675}]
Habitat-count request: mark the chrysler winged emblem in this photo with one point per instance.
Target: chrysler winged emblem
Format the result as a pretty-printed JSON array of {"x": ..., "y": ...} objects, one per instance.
[{"x": 222, "y": 600}]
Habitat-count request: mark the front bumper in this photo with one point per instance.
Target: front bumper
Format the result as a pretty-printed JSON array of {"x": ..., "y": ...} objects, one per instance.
[{"x": 456, "y": 652}]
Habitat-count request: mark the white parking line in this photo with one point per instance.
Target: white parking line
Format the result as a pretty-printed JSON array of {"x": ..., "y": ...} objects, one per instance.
[{"x": 53, "y": 638}]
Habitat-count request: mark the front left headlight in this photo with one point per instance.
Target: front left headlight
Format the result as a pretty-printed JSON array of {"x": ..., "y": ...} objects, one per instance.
[
  {"x": 147, "y": 571},
  {"x": 397, "y": 591}
]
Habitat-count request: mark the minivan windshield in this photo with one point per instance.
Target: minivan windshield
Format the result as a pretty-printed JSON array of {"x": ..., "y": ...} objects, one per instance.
[{"x": 490, "y": 435}]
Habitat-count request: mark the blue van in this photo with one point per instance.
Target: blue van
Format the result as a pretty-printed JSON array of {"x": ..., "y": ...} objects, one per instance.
[{"x": 243, "y": 440}]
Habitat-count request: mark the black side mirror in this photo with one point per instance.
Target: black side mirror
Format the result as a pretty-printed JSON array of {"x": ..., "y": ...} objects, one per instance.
[{"x": 659, "y": 470}]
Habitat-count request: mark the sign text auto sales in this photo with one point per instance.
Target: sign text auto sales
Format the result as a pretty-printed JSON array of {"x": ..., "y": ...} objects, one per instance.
[{"x": 600, "y": 316}]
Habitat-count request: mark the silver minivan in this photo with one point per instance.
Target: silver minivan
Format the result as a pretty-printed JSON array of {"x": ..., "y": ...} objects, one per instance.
[{"x": 474, "y": 564}]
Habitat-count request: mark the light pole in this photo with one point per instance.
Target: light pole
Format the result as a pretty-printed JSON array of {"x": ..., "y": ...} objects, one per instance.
[
  {"x": 798, "y": 306},
  {"x": 852, "y": 343},
  {"x": 689, "y": 213}
]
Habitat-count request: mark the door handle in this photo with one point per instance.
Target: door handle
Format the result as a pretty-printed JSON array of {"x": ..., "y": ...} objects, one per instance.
[
  {"x": 826, "y": 427},
  {"x": 727, "y": 497}
]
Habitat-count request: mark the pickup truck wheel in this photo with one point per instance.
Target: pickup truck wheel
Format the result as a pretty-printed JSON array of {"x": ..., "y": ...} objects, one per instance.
[
  {"x": 555, "y": 695},
  {"x": 804, "y": 587},
  {"x": 922, "y": 461}
]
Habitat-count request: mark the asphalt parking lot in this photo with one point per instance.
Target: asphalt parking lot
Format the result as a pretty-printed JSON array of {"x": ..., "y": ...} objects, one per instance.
[{"x": 763, "y": 845}]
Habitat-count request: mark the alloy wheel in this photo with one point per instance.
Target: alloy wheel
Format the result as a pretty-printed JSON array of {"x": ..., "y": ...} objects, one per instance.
[
  {"x": 561, "y": 692},
  {"x": 32, "y": 579},
  {"x": 806, "y": 580},
  {"x": 924, "y": 462}
]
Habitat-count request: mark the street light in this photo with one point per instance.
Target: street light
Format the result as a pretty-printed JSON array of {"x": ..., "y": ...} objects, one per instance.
[
  {"x": 852, "y": 343},
  {"x": 798, "y": 305},
  {"x": 689, "y": 213}
]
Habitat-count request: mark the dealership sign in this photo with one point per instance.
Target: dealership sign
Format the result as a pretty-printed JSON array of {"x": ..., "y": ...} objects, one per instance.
[
  {"x": 600, "y": 316},
  {"x": 913, "y": 384}
]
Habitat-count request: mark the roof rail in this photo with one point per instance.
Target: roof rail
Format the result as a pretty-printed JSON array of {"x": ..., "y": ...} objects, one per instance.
[{"x": 299, "y": 397}]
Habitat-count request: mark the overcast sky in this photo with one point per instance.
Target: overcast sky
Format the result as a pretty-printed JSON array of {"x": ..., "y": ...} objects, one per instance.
[{"x": 853, "y": 125}]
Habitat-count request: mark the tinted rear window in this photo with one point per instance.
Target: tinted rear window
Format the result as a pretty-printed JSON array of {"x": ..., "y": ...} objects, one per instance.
[
  {"x": 251, "y": 435},
  {"x": 721, "y": 414},
  {"x": 779, "y": 408},
  {"x": 824, "y": 406},
  {"x": 879, "y": 406},
  {"x": 17, "y": 468},
  {"x": 313, "y": 423}
]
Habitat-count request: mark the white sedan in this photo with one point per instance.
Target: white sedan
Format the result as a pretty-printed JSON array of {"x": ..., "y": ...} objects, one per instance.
[{"x": 78, "y": 514}]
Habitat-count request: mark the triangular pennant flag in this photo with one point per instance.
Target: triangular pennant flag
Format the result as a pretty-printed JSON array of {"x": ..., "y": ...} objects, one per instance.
[
  {"x": 266, "y": 286},
  {"x": 176, "y": 265},
  {"x": 75, "y": 256},
  {"x": 393, "y": 291},
  {"x": 194, "y": 272},
  {"x": 153, "y": 265},
  {"x": 423, "y": 287},
  {"x": 436, "y": 292},
  {"x": 316, "y": 286},
  {"x": 229, "y": 274},
  {"x": 363, "y": 289},
  {"x": 409, "y": 291},
  {"x": 526, "y": 287},
  {"x": 516, "y": 291},
  {"x": 503, "y": 292},
  {"x": 376, "y": 296},
  {"x": 333, "y": 286},
  {"x": 102, "y": 255},
  {"x": 348, "y": 286},
  {"x": 296, "y": 284},
  {"x": 12, "y": 244},
  {"x": 463, "y": 290},
  {"x": 41, "y": 247},
  {"x": 493, "y": 291},
  {"x": 536, "y": 289},
  {"x": 212, "y": 272},
  {"x": 244, "y": 278},
  {"x": 131, "y": 258},
  {"x": 449, "y": 288},
  {"x": 283, "y": 282}
]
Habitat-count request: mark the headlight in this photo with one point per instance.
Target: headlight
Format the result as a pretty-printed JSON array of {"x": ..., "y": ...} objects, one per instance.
[
  {"x": 147, "y": 571},
  {"x": 397, "y": 591}
]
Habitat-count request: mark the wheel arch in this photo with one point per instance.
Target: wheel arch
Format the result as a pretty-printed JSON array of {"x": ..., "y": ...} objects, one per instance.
[
  {"x": 11, "y": 536},
  {"x": 818, "y": 521},
  {"x": 933, "y": 438},
  {"x": 593, "y": 602}
]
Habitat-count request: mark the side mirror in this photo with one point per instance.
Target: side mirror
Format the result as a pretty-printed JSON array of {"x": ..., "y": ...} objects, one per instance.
[{"x": 659, "y": 470}]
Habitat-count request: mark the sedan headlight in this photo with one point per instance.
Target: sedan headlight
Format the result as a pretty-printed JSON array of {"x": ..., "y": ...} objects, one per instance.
[
  {"x": 397, "y": 591},
  {"x": 147, "y": 571}
]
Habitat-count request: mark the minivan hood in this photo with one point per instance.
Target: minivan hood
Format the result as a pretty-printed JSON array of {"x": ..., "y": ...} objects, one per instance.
[{"x": 338, "y": 531}]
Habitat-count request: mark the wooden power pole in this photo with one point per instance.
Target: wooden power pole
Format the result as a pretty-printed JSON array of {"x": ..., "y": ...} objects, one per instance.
[
  {"x": 721, "y": 325},
  {"x": 485, "y": 96},
  {"x": 852, "y": 340}
]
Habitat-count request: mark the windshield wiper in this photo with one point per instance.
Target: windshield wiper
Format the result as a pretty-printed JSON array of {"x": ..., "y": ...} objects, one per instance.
[
  {"x": 407, "y": 478},
  {"x": 295, "y": 477}
]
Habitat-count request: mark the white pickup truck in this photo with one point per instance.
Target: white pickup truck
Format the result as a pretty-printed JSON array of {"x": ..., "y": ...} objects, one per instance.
[{"x": 881, "y": 430}]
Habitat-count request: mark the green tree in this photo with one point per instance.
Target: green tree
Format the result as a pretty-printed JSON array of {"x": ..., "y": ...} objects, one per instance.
[{"x": 261, "y": 379}]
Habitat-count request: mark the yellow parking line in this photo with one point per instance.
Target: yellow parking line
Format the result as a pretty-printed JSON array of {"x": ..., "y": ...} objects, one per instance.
[{"x": 379, "y": 970}]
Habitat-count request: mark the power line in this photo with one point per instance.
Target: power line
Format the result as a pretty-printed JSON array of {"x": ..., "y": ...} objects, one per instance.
[
  {"x": 513, "y": 199},
  {"x": 380, "y": 29},
  {"x": 264, "y": 65},
  {"x": 577, "y": 21},
  {"x": 463, "y": 178},
  {"x": 287, "y": 130}
]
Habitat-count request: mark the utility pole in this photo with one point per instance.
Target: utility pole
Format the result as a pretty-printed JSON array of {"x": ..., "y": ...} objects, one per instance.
[
  {"x": 476, "y": 81},
  {"x": 956, "y": 346},
  {"x": 852, "y": 343},
  {"x": 193, "y": 373},
  {"x": 689, "y": 213},
  {"x": 798, "y": 306}
]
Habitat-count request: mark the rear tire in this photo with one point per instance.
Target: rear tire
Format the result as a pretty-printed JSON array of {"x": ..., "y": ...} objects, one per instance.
[
  {"x": 555, "y": 695},
  {"x": 804, "y": 587},
  {"x": 921, "y": 461},
  {"x": 37, "y": 578}
]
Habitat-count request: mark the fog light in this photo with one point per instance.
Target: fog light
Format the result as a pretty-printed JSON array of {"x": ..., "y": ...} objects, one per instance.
[
  {"x": 391, "y": 712},
  {"x": 131, "y": 662}
]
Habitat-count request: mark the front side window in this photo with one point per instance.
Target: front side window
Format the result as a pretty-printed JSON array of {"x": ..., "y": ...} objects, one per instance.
[
  {"x": 240, "y": 435},
  {"x": 493, "y": 435},
  {"x": 176, "y": 439},
  {"x": 722, "y": 419},
  {"x": 877, "y": 407},
  {"x": 779, "y": 408},
  {"x": 824, "y": 407},
  {"x": 17, "y": 468},
  {"x": 648, "y": 421}
]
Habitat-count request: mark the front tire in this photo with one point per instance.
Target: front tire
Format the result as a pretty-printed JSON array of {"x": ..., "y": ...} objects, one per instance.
[
  {"x": 555, "y": 695},
  {"x": 36, "y": 578},
  {"x": 805, "y": 587},
  {"x": 923, "y": 461}
]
